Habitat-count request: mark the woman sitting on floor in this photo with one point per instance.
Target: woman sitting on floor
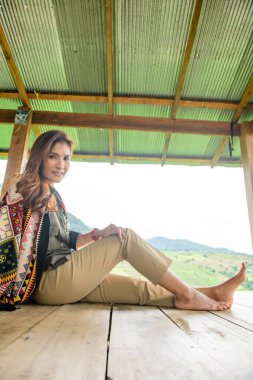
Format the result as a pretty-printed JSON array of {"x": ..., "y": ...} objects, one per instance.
[{"x": 47, "y": 262}]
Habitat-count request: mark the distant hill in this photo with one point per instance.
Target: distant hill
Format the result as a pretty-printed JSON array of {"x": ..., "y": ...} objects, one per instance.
[
  {"x": 182, "y": 245},
  {"x": 160, "y": 242}
]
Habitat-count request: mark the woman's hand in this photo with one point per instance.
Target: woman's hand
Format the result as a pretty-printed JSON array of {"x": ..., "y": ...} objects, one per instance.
[{"x": 112, "y": 230}]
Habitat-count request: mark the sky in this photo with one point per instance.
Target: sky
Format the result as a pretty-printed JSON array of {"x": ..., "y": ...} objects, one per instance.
[{"x": 201, "y": 204}]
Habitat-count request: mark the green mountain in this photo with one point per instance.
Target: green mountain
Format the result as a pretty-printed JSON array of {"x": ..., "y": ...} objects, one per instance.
[
  {"x": 182, "y": 245},
  {"x": 160, "y": 242}
]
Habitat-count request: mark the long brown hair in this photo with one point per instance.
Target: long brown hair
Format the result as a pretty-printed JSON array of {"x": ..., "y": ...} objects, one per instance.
[{"x": 31, "y": 184}]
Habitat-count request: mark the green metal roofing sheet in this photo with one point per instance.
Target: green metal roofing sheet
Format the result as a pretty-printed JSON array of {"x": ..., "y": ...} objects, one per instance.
[
  {"x": 204, "y": 114},
  {"x": 59, "y": 46},
  {"x": 142, "y": 110},
  {"x": 221, "y": 60},
  {"x": 149, "y": 42}
]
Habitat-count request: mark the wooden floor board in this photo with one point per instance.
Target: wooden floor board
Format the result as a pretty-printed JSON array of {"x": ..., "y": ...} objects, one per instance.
[
  {"x": 226, "y": 343},
  {"x": 14, "y": 324},
  {"x": 71, "y": 343},
  {"x": 240, "y": 315},
  {"x": 145, "y": 344}
]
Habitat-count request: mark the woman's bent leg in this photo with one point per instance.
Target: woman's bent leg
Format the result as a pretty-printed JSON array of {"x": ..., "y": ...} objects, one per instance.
[
  {"x": 129, "y": 290},
  {"x": 89, "y": 266}
]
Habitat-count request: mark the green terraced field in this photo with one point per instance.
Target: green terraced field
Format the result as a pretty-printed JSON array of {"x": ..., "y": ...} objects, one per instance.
[{"x": 202, "y": 269}]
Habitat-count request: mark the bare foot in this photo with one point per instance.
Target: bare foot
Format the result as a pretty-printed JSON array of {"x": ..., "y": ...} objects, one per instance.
[
  {"x": 199, "y": 301},
  {"x": 225, "y": 291}
]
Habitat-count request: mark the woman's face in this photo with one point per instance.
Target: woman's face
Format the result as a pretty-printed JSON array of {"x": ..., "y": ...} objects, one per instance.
[{"x": 56, "y": 164}]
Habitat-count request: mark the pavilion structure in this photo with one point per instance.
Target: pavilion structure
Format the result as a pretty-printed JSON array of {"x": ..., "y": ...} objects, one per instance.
[{"x": 161, "y": 82}]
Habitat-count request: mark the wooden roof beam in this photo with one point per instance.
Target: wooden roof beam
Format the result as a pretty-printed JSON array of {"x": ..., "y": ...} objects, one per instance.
[
  {"x": 130, "y": 123},
  {"x": 157, "y": 160},
  {"x": 13, "y": 69},
  {"x": 187, "y": 56},
  {"x": 244, "y": 101},
  {"x": 152, "y": 159},
  {"x": 125, "y": 100}
]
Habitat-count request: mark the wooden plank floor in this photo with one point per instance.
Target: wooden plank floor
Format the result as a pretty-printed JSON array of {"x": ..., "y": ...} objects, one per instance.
[{"x": 87, "y": 341}]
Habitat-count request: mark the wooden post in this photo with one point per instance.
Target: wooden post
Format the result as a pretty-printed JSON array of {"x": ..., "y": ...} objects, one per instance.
[
  {"x": 247, "y": 161},
  {"x": 19, "y": 147}
]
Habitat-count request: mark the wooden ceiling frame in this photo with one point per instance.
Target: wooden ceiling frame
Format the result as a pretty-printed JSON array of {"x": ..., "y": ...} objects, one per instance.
[
  {"x": 241, "y": 107},
  {"x": 174, "y": 102},
  {"x": 13, "y": 69},
  {"x": 176, "y": 160},
  {"x": 130, "y": 123},
  {"x": 244, "y": 100},
  {"x": 187, "y": 56},
  {"x": 148, "y": 158},
  {"x": 22, "y": 94},
  {"x": 183, "y": 72},
  {"x": 126, "y": 100}
]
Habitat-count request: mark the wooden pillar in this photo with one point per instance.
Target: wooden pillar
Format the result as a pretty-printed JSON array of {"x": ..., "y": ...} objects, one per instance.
[
  {"x": 247, "y": 161},
  {"x": 19, "y": 147}
]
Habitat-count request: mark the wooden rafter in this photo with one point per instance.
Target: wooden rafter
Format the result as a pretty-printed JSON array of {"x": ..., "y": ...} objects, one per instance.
[
  {"x": 146, "y": 158},
  {"x": 219, "y": 151},
  {"x": 169, "y": 160},
  {"x": 13, "y": 69},
  {"x": 134, "y": 123},
  {"x": 187, "y": 56},
  {"x": 166, "y": 147},
  {"x": 125, "y": 100},
  {"x": 244, "y": 101}
]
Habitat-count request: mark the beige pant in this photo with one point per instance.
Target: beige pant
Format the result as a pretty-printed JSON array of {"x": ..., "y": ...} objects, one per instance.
[{"x": 86, "y": 275}]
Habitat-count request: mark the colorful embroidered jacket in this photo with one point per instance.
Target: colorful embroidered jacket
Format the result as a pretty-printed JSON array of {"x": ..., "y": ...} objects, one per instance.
[{"x": 22, "y": 251}]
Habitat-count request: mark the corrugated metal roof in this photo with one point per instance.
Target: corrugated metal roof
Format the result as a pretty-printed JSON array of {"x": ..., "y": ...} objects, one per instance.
[
  {"x": 59, "y": 46},
  {"x": 150, "y": 38},
  {"x": 82, "y": 38},
  {"x": 221, "y": 61},
  {"x": 128, "y": 143},
  {"x": 6, "y": 81},
  {"x": 5, "y": 136},
  {"x": 142, "y": 110},
  {"x": 246, "y": 116},
  {"x": 30, "y": 28},
  {"x": 13, "y": 104},
  {"x": 204, "y": 114}
]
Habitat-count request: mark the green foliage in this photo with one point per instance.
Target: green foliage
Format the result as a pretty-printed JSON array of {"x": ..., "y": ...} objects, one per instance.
[
  {"x": 196, "y": 268},
  {"x": 199, "y": 269}
]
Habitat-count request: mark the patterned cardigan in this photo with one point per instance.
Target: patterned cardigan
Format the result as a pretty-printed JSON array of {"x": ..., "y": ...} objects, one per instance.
[{"x": 22, "y": 251}]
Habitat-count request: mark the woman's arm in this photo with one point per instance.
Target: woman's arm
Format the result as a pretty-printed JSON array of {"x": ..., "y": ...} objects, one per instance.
[{"x": 95, "y": 234}]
